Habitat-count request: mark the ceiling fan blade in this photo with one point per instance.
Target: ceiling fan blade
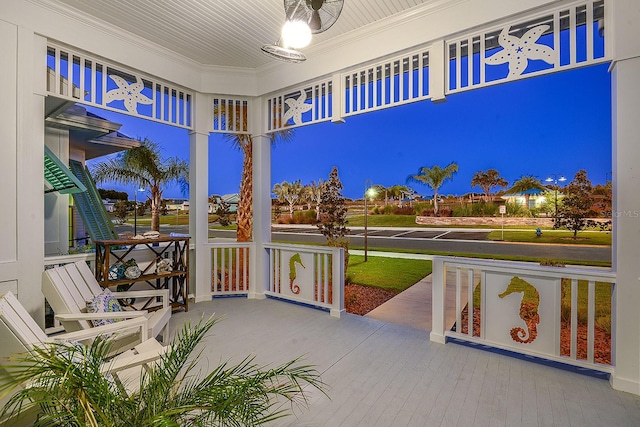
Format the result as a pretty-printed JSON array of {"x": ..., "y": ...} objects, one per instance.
[{"x": 315, "y": 23}]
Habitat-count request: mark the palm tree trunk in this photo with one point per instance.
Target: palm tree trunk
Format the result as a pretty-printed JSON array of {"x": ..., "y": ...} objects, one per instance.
[
  {"x": 435, "y": 203},
  {"x": 155, "y": 211},
  {"x": 245, "y": 204}
]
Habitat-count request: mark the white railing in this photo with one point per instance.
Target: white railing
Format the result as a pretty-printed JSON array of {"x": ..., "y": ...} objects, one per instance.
[
  {"x": 559, "y": 314},
  {"x": 311, "y": 275},
  {"x": 230, "y": 267}
]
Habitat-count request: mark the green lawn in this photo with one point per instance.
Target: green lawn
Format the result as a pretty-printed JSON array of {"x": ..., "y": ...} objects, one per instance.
[
  {"x": 389, "y": 273},
  {"x": 553, "y": 236}
]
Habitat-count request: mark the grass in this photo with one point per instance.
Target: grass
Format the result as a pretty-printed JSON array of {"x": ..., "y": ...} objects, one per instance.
[
  {"x": 388, "y": 273},
  {"x": 553, "y": 237},
  {"x": 482, "y": 256}
]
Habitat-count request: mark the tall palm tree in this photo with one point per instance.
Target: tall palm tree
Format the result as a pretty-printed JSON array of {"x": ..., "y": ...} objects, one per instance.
[
  {"x": 434, "y": 177},
  {"x": 290, "y": 193},
  {"x": 143, "y": 166},
  {"x": 244, "y": 142},
  {"x": 526, "y": 185}
]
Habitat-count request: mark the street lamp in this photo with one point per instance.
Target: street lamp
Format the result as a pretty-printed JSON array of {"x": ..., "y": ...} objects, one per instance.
[
  {"x": 555, "y": 178},
  {"x": 135, "y": 210},
  {"x": 369, "y": 191}
]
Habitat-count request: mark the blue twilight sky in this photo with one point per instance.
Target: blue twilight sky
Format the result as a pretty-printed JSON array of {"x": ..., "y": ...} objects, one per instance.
[{"x": 554, "y": 124}]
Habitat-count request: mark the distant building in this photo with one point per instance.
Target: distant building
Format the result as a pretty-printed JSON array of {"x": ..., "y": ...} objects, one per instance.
[{"x": 230, "y": 199}]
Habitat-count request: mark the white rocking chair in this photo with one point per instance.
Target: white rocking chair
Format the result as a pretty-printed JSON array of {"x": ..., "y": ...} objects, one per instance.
[
  {"x": 19, "y": 333},
  {"x": 67, "y": 288}
]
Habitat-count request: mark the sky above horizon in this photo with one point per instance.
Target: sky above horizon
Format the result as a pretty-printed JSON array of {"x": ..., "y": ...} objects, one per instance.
[{"x": 553, "y": 124}]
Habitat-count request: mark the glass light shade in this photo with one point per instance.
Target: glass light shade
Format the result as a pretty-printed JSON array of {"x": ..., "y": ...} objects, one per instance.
[{"x": 296, "y": 34}]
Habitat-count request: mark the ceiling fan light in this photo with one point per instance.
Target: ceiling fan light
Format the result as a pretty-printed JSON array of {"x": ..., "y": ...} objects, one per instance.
[{"x": 296, "y": 34}]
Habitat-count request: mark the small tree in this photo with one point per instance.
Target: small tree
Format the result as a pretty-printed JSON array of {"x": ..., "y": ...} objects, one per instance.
[
  {"x": 488, "y": 180},
  {"x": 333, "y": 215},
  {"x": 121, "y": 210},
  {"x": 224, "y": 213},
  {"x": 576, "y": 205},
  {"x": 291, "y": 193}
]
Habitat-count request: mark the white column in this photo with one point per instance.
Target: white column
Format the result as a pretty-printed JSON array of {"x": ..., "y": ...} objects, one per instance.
[
  {"x": 31, "y": 74},
  {"x": 200, "y": 257},
  {"x": 261, "y": 200},
  {"x": 626, "y": 199}
]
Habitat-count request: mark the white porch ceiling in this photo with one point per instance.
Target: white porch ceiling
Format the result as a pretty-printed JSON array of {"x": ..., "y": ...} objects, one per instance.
[{"x": 225, "y": 33}]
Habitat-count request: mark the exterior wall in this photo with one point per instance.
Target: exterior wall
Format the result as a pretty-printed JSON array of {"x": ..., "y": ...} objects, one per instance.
[
  {"x": 56, "y": 205},
  {"x": 21, "y": 165}
]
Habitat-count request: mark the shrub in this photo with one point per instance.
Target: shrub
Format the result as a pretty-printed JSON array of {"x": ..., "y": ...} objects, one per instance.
[
  {"x": 304, "y": 217},
  {"x": 406, "y": 210}
]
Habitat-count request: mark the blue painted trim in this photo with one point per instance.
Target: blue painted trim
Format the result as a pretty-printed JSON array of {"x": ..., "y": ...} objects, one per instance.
[{"x": 552, "y": 363}]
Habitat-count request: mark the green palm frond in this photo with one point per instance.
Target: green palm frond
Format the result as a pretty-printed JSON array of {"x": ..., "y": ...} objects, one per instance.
[{"x": 66, "y": 383}]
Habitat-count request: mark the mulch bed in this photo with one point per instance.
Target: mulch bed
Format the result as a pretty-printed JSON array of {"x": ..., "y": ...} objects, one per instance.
[
  {"x": 602, "y": 345},
  {"x": 360, "y": 299}
]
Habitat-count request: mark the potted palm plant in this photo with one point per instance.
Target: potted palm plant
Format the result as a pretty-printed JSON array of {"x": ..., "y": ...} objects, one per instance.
[{"x": 66, "y": 383}]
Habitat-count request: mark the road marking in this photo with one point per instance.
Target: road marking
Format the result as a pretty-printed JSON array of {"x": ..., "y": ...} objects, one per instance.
[{"x": 443, "y": 234}]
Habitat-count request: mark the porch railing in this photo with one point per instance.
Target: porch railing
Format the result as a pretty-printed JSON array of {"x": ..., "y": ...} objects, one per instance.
[
  {"x": 307, "y": 274},
  {"x": 559, "y": 314},
  {"x": 230, "y": 267}
]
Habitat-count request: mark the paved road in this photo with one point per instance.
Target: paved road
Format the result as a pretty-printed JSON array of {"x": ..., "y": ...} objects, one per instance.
[
  {"x": 437, "y": 240},
  {"x": 443, "y": 240}
]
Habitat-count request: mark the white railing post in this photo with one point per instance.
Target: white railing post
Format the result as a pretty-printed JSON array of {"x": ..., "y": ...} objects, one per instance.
[
  {"x": 438, "y": 294},
  {"x": 337, "y": 273}
]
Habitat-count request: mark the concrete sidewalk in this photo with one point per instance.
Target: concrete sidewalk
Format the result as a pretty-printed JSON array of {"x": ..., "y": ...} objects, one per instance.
[{"x": 411, "y": 307}]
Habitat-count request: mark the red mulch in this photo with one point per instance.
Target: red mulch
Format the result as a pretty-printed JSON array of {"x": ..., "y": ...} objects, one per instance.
[
  {"x": 362, "y": 299},
  {"x": 602, "y": 347}
]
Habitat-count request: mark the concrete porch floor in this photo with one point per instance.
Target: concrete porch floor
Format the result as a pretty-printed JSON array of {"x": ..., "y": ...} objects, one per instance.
[{"x": 383, "y": 374}]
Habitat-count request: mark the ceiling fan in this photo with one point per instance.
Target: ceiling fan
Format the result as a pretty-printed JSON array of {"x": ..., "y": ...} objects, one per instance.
[{"x": 320, "y": 15}]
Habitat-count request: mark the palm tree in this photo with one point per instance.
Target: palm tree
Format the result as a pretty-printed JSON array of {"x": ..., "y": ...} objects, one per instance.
[
  {"x": 487, "y": 180},
  {"x": 68, "y": 387},
  {"x": 290, "y": 193},
  {"x": 244, "y": 142},
  {"x": 395, "y": 192},
  {"x": 315, "y": 190},
  {"x": 143, "y": 166},
  {"x": 526, "y": 185},
  {"x": 434, "y": 177}
]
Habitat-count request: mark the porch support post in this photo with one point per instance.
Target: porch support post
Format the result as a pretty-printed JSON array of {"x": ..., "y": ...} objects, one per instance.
[
  {"x": 438, "y": 295},
  {"x": 626, "y": 199},
  {"x": 29, "y": 142},
  {"x": 200, "y": 257},
  {"x": 261, "y": 201}
]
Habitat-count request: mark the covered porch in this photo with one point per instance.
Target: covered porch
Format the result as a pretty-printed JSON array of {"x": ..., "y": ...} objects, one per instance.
[{"x": 423, "y": 51}]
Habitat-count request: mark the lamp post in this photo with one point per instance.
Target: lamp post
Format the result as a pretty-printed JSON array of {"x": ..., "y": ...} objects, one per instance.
[
  {"x": 369, "y": 191},
  {"x": 555, "y": 178},
  {"x": 135, "y": 210}
]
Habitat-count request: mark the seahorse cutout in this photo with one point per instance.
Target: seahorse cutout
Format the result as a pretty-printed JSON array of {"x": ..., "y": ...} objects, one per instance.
[
  {"x": 292, "y": 272},
  {"x": 528, "y": 309}
]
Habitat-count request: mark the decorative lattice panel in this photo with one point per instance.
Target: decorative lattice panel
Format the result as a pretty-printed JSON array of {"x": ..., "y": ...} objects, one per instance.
[
  {"x": 80, "y": 78},
  {"x": 568, "y": 37},
  {"x": 393, "y": 82},
  {"x": 301, "y": 106},
  {"x": 230, "y": 115}
]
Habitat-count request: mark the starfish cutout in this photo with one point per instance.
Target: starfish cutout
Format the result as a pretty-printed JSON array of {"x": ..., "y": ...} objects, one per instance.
[
  {"x": 296, "y": 108},
  {"x": 130, "y": 93},
  {"x": 517, "y": 52}
]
